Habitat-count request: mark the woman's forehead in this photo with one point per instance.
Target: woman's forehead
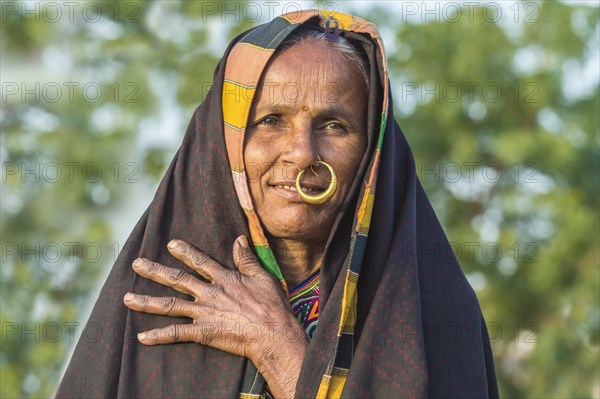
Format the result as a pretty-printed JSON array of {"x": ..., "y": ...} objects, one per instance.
[
  {"x": 301, "y": 59},
  {"x": 310, "y": 72}
]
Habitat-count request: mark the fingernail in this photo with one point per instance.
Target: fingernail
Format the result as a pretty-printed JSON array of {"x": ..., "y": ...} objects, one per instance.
[
  {"x": 142, "y": 336},
  {"x": 138, "y": 262},
  {"x": 243, "y": 241},
  {"x": 129, "y": 297},
  {"x": 172, "y": 244}
]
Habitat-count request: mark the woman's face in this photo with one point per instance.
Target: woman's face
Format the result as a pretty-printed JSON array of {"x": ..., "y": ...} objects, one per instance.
[{"x": 311, "y": 101}]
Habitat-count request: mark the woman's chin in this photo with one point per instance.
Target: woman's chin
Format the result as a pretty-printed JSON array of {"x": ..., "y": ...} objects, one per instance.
[{"x": 299, "y": 228}]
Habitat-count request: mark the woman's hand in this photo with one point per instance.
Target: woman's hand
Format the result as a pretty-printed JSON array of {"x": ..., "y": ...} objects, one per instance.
[{"x": 244, "y": 312}]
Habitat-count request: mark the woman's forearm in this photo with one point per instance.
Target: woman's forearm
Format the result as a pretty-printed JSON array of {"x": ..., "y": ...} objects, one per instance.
[{"x": 280, "y": 361}]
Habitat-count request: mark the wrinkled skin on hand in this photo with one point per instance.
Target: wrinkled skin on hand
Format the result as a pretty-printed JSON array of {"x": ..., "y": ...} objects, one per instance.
[{"x": 244, "y": 312}]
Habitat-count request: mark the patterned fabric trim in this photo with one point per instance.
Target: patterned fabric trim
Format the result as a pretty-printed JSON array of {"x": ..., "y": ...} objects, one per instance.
[{"x": 304, "y": 299}]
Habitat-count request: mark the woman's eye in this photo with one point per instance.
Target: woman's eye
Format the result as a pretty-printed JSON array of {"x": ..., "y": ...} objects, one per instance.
[
  {"x": 269, "y": 120},
  {"x": 334, "y": 126}
]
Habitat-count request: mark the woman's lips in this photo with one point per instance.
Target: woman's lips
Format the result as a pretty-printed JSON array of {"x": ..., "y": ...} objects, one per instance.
[
  {"x": 289, "y": 192},
  {"x": 293, "y": 188}
]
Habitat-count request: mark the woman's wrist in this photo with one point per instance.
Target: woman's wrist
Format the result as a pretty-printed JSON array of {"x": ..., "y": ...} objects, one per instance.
[{"x": 280, "y": 358}]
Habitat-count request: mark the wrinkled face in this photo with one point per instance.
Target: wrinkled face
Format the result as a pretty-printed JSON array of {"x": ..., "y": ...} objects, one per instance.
[{"x": 311, "y": 102}]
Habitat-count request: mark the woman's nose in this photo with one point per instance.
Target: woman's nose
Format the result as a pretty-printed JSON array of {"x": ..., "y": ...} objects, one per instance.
[{"x": 301, "y": 148}]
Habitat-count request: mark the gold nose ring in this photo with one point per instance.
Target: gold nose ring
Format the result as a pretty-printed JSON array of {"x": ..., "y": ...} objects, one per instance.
[{"x": 325, "y": 195}]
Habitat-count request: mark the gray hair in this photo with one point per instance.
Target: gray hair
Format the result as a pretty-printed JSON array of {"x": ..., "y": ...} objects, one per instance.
[{"x": 349, "y": 51}]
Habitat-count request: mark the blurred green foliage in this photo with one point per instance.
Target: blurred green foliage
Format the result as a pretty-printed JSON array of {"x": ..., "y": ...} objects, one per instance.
[{"x": 501, "y": 113}]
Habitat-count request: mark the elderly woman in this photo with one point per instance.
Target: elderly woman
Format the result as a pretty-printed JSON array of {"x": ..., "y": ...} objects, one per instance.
[{"x": 341, "y": 281}]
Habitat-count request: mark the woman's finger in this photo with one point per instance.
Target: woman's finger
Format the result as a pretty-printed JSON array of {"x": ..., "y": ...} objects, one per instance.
[
  {"x": 244, "y": 258},
  {"x": 169, "y": 276},
  {"x": 179, "y": 333},
  {"x": 168, "y": 306},
  {"x": 206, "y": 266}
]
